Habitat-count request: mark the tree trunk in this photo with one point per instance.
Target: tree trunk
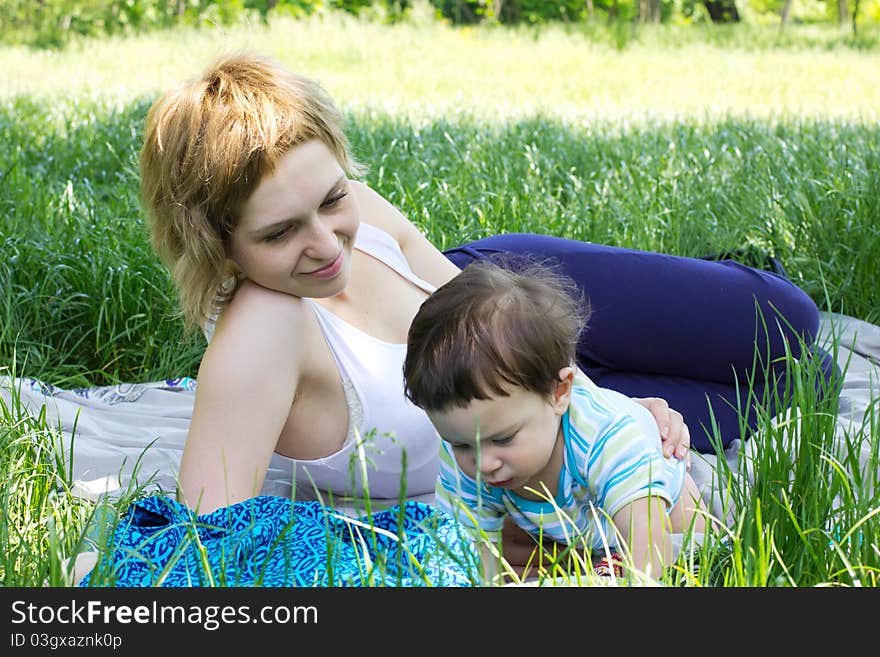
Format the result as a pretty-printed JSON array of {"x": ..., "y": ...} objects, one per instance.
[
  {"x": 842, "y": 11},
  {"x": 722, "y": 11},
  {"x": 590, "y": 8},
  {"x": 655, "y": 11},
  {"x": 855, "y": 22},
  {"x": 785, "y": 14}
]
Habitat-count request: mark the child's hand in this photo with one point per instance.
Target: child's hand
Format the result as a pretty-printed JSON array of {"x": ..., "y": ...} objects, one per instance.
[
  {"x": 518, "y": 545},
  {"x": 673, "y": 431}
]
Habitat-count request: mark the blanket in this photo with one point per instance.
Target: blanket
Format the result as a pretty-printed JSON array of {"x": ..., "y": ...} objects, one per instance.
[{"x": 118, "y": 436}]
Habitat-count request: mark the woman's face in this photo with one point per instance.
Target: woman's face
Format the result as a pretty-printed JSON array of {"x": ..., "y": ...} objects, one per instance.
[{"x": 296, "y": 232}]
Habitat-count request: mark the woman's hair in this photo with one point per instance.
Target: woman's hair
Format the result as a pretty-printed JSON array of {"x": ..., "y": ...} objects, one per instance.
[
  {"x": 206, "y": 147},
  {"x": 491, "y": 327}
]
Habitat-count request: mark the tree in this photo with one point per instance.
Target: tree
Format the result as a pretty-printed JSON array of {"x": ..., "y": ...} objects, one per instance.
[
  {"x": 649, "y": 11},
  {"x": 722, "y": 11},
  {"x": 785, "y": 14}
]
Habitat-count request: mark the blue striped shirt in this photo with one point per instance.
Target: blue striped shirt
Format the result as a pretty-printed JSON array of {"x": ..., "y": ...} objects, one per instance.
[{"x": 612, "y": 457}]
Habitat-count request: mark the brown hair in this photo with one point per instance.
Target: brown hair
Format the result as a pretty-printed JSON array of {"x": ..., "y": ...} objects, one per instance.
[
  {"x": 489, "y": 326},
  {"x": 206, "y": 147}
]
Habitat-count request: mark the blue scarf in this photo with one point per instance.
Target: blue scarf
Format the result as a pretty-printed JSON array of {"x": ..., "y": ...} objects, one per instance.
[{"x": 271, "y": 541}]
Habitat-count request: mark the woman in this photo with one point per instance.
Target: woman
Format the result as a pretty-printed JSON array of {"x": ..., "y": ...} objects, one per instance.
[{"x": 307, "y": 281}]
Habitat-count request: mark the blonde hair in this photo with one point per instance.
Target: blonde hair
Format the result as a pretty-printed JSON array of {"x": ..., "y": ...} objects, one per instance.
[{"x": 206, "y": 147}]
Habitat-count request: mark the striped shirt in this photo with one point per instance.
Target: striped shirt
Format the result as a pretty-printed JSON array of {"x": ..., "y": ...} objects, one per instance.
[{"x": 612, "y": 457}]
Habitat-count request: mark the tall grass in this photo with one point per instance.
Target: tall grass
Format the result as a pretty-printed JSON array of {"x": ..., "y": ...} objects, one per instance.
[
  {"x": 41, "y": 523},
  {"x": 686, "y": 148}
]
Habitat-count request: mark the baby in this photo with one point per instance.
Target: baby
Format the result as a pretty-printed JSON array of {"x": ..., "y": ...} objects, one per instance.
[{"x": 491, "y": 359}]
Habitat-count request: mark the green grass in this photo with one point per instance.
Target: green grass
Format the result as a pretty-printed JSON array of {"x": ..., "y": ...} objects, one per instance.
[
  {"x": 426, "y": 69},
  {"x": 674, "y": 144}
]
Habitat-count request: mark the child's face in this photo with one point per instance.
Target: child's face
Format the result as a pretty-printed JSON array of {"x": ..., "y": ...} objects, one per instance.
[
  {"x": 509, "y": 440},
  {"x": 296, "y": 231}
]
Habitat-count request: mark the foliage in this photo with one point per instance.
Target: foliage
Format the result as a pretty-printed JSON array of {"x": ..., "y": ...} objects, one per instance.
[
  {"x": 510, "y": 11},
  {"x": 54, "y": 23}
]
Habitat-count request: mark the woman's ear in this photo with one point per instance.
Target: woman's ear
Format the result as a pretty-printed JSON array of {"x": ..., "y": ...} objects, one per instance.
[
  {"x": 562, "y": 392},
  {"x": 230, "y": 268},
  {"x": 231, "y": 276}
]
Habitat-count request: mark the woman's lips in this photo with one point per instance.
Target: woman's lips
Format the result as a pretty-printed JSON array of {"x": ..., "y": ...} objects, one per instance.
[{"x": 330, "y": 270}]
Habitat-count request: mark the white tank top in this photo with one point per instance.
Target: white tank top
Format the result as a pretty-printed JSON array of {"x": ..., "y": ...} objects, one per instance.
[{"x": 387, "y": 434}]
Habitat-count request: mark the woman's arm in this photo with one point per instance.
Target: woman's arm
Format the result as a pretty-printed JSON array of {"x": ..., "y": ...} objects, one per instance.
[{"x": 246, "y": 385}]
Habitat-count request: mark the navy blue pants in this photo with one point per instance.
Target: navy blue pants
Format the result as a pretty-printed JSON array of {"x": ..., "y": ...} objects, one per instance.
[{"x": 684, "y": 329}]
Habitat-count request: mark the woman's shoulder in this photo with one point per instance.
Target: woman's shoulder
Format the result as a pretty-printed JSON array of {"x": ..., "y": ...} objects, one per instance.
[
  {"x": 253, "y": 297},
  {"x": 377, "y": 211},
  {"x": 256, "y": 310},
  {"x": 260, "y": 336}
]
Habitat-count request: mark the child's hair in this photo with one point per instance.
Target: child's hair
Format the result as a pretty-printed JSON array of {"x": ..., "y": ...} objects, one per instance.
[
  {"x": 206, "y": 148},
  {"x": 489, "y": 327}
]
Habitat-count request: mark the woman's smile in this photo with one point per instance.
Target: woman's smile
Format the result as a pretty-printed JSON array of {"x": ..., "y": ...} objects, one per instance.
[{"x": 328, "y": 271}]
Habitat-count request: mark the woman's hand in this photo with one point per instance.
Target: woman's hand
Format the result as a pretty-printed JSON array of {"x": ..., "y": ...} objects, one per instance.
[{"x": 673, "y": 431}]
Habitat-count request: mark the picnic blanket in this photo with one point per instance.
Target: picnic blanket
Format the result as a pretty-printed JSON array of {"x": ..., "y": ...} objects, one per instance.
[
  {"x": 118, "y": 436},
  {"x": 271, "y": 541}
]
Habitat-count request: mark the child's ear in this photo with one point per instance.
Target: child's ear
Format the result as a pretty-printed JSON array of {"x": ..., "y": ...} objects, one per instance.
[{"x": 562, "y": 392}]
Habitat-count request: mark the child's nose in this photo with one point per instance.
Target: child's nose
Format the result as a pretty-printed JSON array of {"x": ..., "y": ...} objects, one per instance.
[{"x": 489, "y": 461}]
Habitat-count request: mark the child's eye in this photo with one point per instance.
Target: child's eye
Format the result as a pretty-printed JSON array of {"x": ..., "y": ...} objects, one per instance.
[
  {"x": 460, "y": 447},
  {"x": 502, "y": 441}
]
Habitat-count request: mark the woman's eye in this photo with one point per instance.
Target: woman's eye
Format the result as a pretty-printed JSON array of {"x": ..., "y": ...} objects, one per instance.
[
  {"x": 333, "y": 200},
  {"x": 275, "y": 236},
  {"x": 282, "y": 233}
]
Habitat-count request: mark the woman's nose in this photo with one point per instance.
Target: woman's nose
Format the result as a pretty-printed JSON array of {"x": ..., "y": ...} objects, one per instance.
[{"x": 322, "y": 243}]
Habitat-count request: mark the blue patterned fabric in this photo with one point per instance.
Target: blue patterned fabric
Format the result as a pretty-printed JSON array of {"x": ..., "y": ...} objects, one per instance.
[
  {"x": 115, "y": 394},
  {"x": 271, "y": 541}
]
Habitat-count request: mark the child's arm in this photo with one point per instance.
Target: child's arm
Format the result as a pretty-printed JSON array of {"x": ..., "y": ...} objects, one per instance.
[
  {"x": 490, "y": 562},
  {"x": 645, "y": 531}
]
